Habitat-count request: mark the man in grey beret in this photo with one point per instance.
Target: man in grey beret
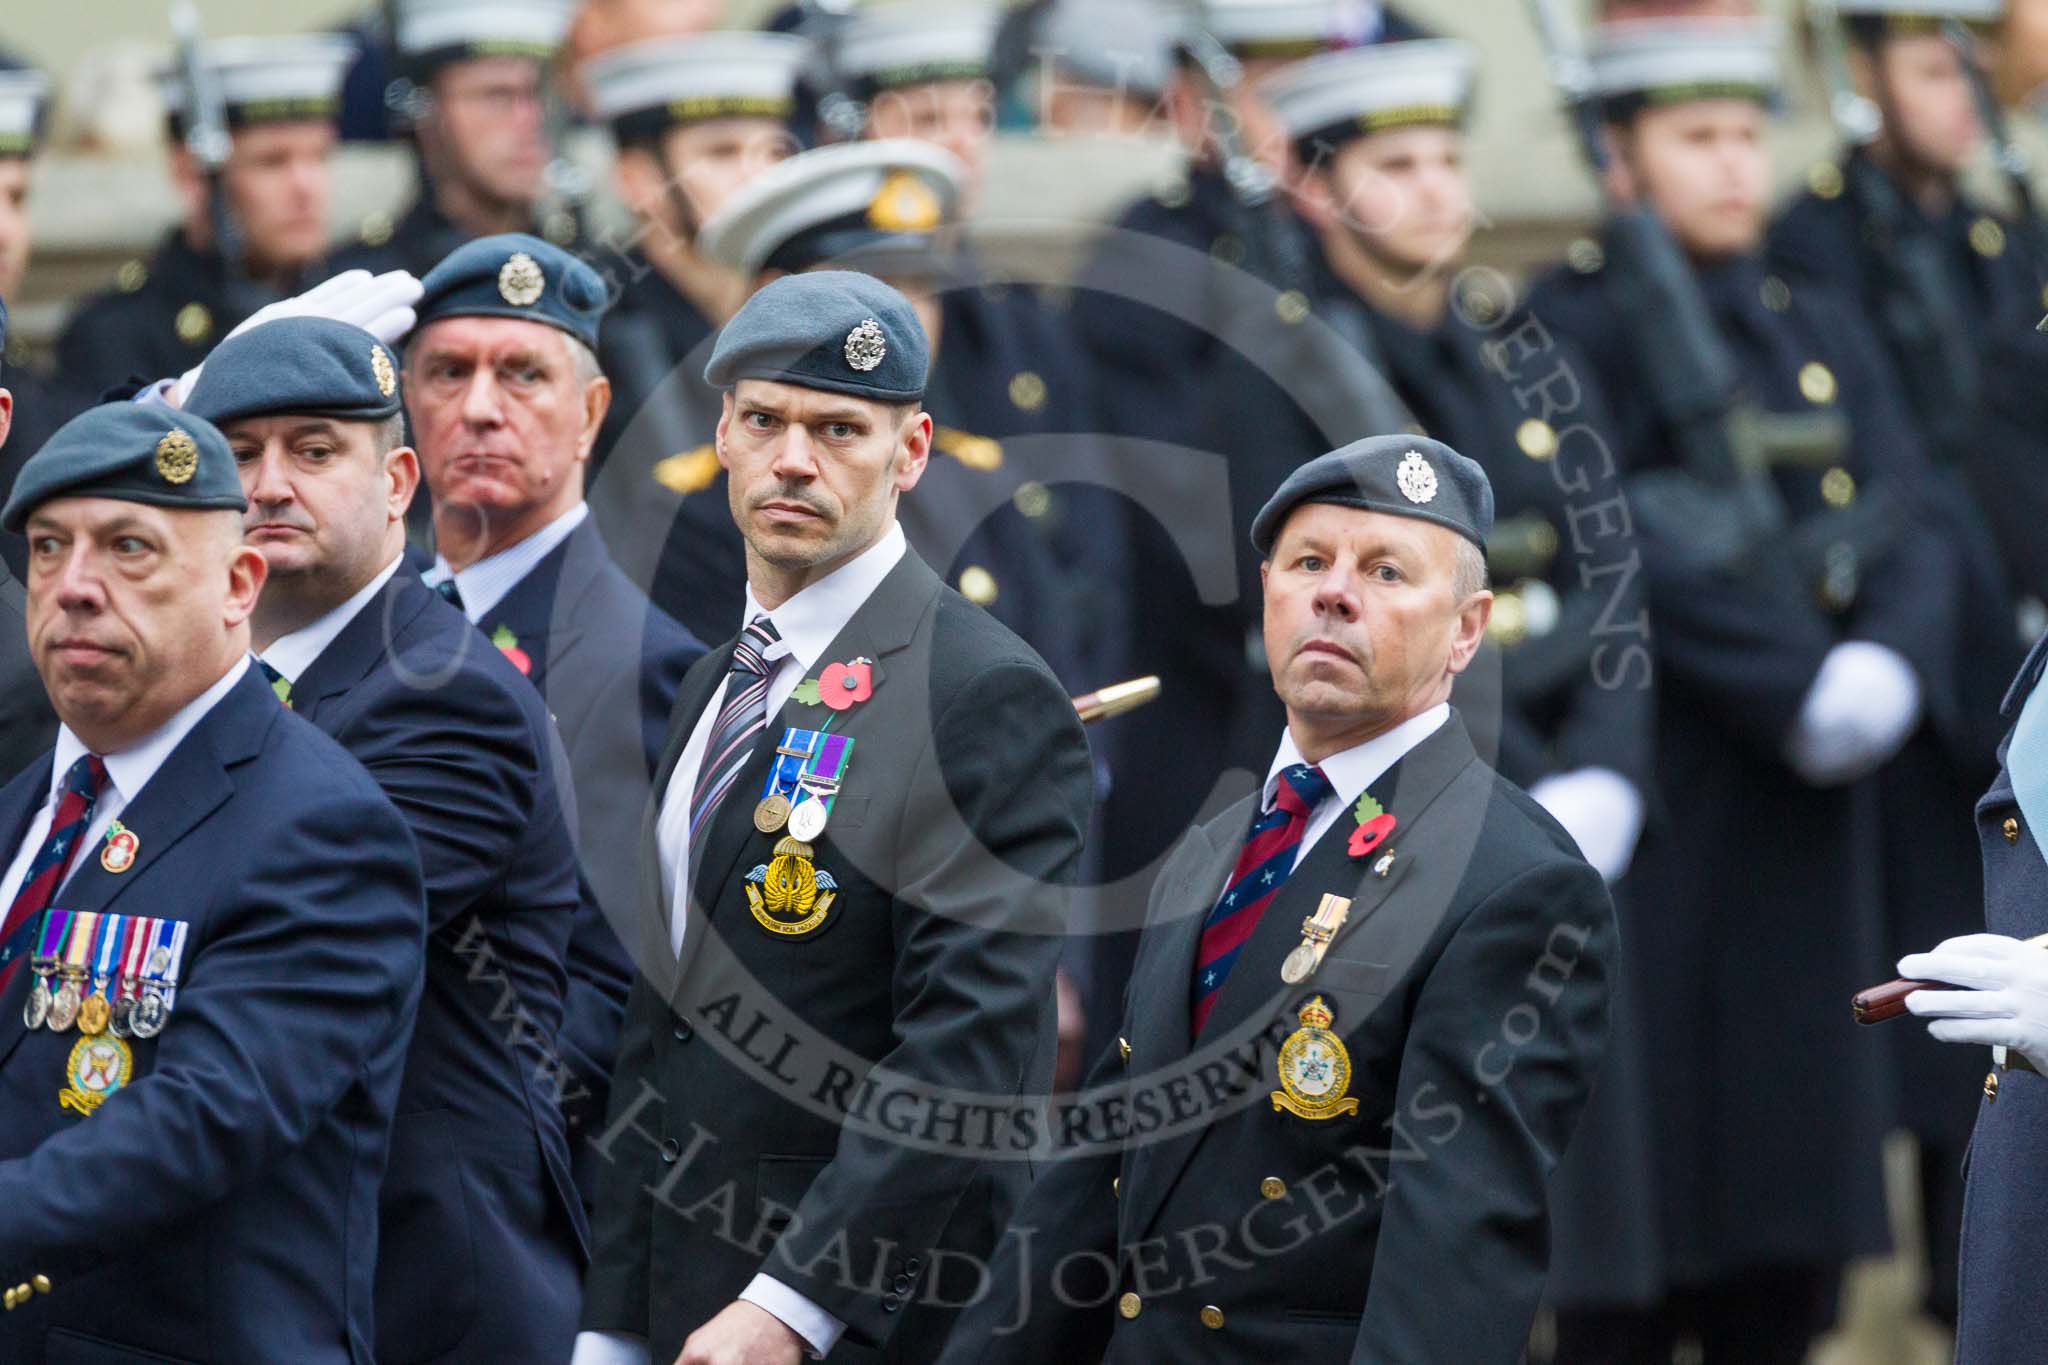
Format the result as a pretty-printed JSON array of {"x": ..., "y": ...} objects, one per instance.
[
  {"x": 870, "y": 802},
  {"x": 349, "y": 636},
  {"x": 199, "y": 1126},
  {"x": 1421, "y": 942}
]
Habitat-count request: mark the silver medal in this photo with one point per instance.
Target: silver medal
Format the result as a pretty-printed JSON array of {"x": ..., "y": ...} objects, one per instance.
[
  {"x": 37, "y": 1007},
  {"x": 807, "y": 821},
  {"x": 148, "y": 1021},
  {"x": 1300, "y": 964}
]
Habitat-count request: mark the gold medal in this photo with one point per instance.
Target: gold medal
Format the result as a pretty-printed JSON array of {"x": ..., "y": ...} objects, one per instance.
[
  {"x": 1315, "y": 1068},
  {"x": 93, "y": 1014},
  {"x": 772, "y": 813}
]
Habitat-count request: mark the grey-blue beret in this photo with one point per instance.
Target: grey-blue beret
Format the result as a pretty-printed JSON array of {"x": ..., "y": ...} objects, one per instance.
[
  {"x": 136, "y": 452},
  {"x": 513, "y": 275},
  {"x": 831, "y": 329},
  {"x": 1404, "y": 476},
  {"x": 306, "y": 367}
]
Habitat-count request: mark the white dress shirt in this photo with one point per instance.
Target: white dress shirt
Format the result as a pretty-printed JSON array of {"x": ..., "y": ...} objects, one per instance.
[
  {"x": 484, "y": 584},
  {"x": 128, "y": 772},
  {"x": 1351, "y": 771},
  {"x": 291, "y": 655},
  {"x": 808, "y": 624}
]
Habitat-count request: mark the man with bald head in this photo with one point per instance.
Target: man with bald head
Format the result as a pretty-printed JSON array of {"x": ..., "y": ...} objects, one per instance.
[
  {"x": 211, "y": 941},
  {"x": 1421, "y": 942}
]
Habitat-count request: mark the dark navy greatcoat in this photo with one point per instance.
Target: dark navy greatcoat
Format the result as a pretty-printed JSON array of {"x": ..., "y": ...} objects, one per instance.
[
  {"x": 483, "y": 1237},
  {"x": 1756, "y": 900},
  {"x": 2005, "y": 1213},
  {"x": 222, "y": 1207}
]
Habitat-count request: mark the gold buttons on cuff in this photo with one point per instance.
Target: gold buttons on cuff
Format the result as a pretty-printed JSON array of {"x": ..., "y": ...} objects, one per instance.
[
  {"x": 8, "y": 1300},
  {"x": 1212, "y": 1317},
  {"x": 41, "y": 1282},
  {"x": 1130, "y": 1305},
  {"x": 2011, "y": 830},
  {"x": 1123, "y": 1049},
  {"x": 1273, "y": 1187},
  {"x": 1991, "y": 1086}
]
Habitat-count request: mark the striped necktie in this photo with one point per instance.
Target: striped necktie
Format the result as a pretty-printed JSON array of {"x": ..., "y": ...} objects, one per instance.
[
  {"x": 743, "y": 716},
  {"x": 450, "y": 593},
  {"x": 83, "y": 783},
  {"x": 1263, "y": 867}
]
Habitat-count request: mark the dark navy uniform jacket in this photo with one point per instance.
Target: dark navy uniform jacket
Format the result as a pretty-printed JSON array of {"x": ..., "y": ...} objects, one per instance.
[
  {"x": 222, "y": 1207},
  {"x": 181, "y": 306},
  {"x": 2005, "y": 1213},
  {"x": 1469, "y": 988},
  {"x": 482, "y": 1233},
  {"x": 1751, "y": 884},
  {"x": 608, "y": 664},
  {"x": 27, "y": 724}
]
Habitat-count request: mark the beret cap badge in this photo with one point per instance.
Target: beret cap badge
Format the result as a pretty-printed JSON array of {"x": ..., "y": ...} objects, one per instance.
[
  {"x": 520, "y": 281},
  {"x": 866, "y": 347},
  {"x": 1414, "y": 477},
  {"x": 177, "y": 457},
  {"x": 382, "y": 372}
]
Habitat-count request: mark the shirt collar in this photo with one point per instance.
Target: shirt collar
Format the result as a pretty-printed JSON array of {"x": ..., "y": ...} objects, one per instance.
[
  {"x": 484, "y": 584},
  {"x": 810, "y": 621},
  {"x": 131, "y": 768},
  {"x": 1357, "y": 768},
  {"x": 291, "y": 655}
]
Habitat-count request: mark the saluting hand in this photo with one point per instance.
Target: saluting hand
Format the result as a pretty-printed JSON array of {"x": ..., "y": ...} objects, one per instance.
[{"x": 744, "y": 1334}]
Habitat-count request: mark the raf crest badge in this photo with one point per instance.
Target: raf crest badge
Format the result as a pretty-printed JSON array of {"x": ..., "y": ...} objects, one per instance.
[
  {"x": 177, "y": 457},
  {"x": 1416, "y": 479},
  {"x": 1315, "y": 1070},
  {"x": 520, "y": 282},
  {"x": 866, "y": 346},
  {"x": 788, "y": 895}
]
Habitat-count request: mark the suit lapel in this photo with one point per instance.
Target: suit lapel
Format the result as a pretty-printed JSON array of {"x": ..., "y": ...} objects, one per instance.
[
  {"x": 539, "y": 610},
  {"x": 18, "y": 806},
  {"x": 882, "y": 626},
  {"x": 192, "y": 783},
  {"x": 362, "y": 644}
]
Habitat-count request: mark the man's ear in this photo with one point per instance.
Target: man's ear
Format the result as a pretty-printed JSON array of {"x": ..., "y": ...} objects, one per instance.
[
  {"x": 1315, "y": 198},
  {"x": 1621, "y": 177},
  {"x": 724, "y": 425},
  {"x": 597, "y": 401},
  {"x": 914, "y": 450},
  {"x": 6, "y": 415},
  {"x": 402, "y": 467},
  {"x": 1473, "y": 615}
]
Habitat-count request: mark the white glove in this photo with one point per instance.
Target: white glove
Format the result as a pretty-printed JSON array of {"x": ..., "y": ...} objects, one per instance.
[
  {"x": 1601, "y": 810},
  {"x": 379, "y": 304},
  {"x": 1863, "y": 704},
  {"x": 2006, "y": 1003}
]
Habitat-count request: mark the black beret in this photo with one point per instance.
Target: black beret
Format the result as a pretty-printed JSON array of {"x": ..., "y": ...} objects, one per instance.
[
  {"x": 305, "y": 366},
  {"x": 513, "y": 275},
  {"x": 136, "y": 452},
  {"x": 833, "y": 330},
  {"x": 1404, "y": 476}
]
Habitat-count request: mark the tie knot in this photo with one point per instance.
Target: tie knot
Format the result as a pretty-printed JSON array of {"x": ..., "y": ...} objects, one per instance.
[
  {"x": 452, "y": 594},
  {"x": 1302, "y": 788},
  {"x": 750, "y": 654},
  {"x": 86, "y": 777}
]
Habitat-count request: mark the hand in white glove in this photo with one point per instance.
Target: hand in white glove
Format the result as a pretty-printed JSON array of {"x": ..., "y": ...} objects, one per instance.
[
  {"x": 379, "y": 304},
  {"x": 2006, "y": 1000},
  {"x": 1863, "y": 705},
  {"x": 1601, "y": 810}
]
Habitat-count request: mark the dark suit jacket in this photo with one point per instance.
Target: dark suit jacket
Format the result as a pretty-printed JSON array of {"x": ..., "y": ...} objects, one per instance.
[
  {"x": 1470, "y": 985},
  {"x": 2005, "y": 1209},
  {"x": 28, "y": 727},
  {"x": 223, "y": 1205},
  {"x": 608, "y": 664},
  {"x": 482, "y": 1233},
  {"x": 959, "y": 822}
]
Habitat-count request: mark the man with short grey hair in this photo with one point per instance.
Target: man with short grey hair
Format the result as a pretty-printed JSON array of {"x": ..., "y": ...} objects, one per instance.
[{"x": 1423, "y": 943}]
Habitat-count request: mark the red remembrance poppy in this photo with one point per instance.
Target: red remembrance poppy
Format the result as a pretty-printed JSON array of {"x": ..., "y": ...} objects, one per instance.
[
  {"x": 1370, "y": 835},
  {"x": 841, "y": 686}
]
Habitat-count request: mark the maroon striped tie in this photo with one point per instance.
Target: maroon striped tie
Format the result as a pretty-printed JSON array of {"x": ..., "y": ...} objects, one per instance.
[
  {"x": 83, "y": 782},
  {"x": 1263, "y": 867}
]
